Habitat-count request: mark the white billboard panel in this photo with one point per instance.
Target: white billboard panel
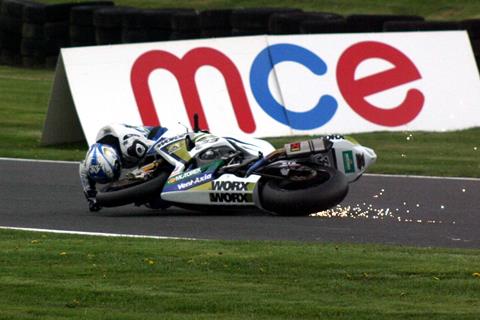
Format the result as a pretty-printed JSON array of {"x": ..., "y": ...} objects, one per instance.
[{"x": 276, "y": 85}]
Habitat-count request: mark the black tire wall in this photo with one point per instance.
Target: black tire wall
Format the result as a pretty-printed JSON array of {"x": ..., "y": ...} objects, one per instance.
[
  {"x": 289, "y": 23},
  {"x": 24, "y": 23},
  {"x": 375, "y": 22}
]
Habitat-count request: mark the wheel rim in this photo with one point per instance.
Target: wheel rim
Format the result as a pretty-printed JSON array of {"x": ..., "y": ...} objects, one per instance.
[{"x": 313, "y": 177}]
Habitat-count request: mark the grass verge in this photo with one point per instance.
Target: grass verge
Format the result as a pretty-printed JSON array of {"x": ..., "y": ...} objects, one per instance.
[
  {"x": 23, "y": 107},
  {"x": 47, "y": 276}
]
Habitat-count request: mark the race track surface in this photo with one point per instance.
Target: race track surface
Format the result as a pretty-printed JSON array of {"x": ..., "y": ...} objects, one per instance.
[{"x": 379, "y": 209}]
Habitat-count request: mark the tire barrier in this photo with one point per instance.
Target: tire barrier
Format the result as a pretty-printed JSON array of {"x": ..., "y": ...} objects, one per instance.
[
  {"x": 324, "y": 26},
  {"x": 108, "y": 24},
  {"x": 185, "y": 25},
  {"x": 375, "y": 22},
  {"x": 157, "y": 24},
  {"x": 216, "y": 23},
  {"x": 82, "y": 29},
  {"x": 10, "y": 31},
  {"x": 421, "y": 25},
  {"x": 32, "y": 33},
  {"x": 289, "y": 23},
  {"x": 473, "y": 28},
  {"x": 41, "y": 29},
  {"x": 254, "y": 21}
]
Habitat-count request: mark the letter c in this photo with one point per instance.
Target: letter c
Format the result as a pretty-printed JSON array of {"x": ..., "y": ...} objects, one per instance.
[{"x": 260, "y": 71}]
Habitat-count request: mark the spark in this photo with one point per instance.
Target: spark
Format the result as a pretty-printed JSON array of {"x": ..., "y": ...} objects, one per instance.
[{"x": 368, "y": 211}]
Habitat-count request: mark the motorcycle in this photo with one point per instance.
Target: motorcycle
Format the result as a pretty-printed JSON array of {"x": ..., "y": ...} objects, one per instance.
[{"x": 200, "y": 171}]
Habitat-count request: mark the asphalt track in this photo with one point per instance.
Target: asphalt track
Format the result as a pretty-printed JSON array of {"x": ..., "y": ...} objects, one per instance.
[{"x": 416, "y": 211}]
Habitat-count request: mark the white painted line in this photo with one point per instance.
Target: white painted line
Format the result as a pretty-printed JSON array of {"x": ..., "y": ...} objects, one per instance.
[
  {"x": 41, "y": 161},
  {"x": 420, "y": 177},
  {"x": 97, "y": 234}
]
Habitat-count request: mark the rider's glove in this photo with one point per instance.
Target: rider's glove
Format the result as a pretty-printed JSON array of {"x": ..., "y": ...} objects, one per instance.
[
  {"x": 93, "y": 206},
  {"x": 90, "y": 194}
]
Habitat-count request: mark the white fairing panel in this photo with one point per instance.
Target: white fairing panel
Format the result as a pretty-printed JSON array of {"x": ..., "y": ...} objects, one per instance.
[
  {"x": 352, "y": 158},
  {"x": 226, "y": 190}
]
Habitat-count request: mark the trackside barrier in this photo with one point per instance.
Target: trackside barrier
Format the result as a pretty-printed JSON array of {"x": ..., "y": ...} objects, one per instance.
[{"x": 270, "y": 85}]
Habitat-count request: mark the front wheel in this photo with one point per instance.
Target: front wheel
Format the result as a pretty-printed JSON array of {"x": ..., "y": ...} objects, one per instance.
[
  {"x": 299, "y": 197},
  {"x": 135, "y": 192}
]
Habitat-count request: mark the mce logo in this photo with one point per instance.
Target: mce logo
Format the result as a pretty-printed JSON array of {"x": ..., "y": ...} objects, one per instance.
[{"x": 353, "y": 90}]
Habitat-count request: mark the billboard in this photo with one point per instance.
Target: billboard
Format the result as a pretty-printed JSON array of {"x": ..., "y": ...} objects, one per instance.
[{"x": 271, "y": 85}]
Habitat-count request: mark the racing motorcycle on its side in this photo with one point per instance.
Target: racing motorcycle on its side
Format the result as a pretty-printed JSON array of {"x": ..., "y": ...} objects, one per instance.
[{"x": 200, "y": 171}]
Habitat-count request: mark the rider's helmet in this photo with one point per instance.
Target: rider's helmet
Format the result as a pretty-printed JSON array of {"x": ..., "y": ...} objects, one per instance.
[
  {"x": 134, "y": 148},
  {"x": 102, "y": 163}
]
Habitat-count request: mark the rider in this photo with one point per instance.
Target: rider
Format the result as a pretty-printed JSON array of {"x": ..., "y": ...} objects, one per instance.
[{"x": 117, "y": 146}]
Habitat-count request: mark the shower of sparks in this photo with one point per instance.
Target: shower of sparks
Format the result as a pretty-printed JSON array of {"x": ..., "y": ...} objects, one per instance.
[{"x": 370, "y": 212}]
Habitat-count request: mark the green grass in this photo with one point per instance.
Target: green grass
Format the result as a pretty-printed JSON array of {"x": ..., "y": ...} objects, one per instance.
[
  {"x": 23, "y": 106},
  {"x": 430, "y": 9},
  {"x": 48, "y": 276}
]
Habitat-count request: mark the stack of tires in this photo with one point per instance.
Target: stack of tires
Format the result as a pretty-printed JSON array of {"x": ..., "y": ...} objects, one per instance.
[
  {"x": 108, "y": 24},
  {"x": 45, "y": 29},
  {"x": 376, "y": 22},
  {"x": 82, "y": 29},
  {"x": 32, "y": 33},
  {"x": 159, "y": 25},
  {"x": 44, "y": 32},
  {"x": 11, "y": 12},
  {"x": 420, "y": 25},
  {"x": 254, "y": 21},
  {"x": 473, "y": 28},
  {"x": 306, "y": 22},
  {"x": 185, "y": 25},
  {"x": 216, "y": 23}
]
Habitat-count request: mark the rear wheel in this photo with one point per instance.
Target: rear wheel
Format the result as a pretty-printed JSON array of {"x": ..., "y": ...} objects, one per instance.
[{"x": 311, "y": 190}]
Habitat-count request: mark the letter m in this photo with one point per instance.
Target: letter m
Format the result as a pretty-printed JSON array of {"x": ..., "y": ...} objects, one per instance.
[{"x": 184, "y": 70}]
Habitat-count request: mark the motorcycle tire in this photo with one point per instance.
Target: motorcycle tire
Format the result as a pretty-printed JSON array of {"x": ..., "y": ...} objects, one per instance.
[
  {"x": 137, "y": 193},
  {"x": 280, "y": 197}
]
